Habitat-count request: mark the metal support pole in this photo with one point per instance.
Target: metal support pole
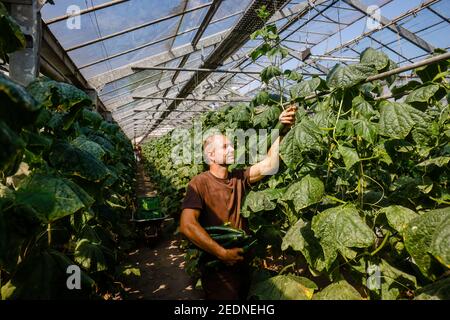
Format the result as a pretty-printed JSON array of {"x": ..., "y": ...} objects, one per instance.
[
  {"x": 191, "y": 99},
  {"x": 395, "y": 71},
  {"x": 24, "y": 64},
  {"x": 194, "y": 70}
]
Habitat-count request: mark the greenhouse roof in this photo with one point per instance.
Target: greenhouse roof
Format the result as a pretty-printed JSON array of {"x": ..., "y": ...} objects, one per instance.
[{"x": 133, "y": 49}]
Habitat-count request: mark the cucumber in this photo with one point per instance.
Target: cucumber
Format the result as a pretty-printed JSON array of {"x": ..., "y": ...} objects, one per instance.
[
  {"x": 223, "y": 229},
  {"x": 233, "y": 237},
  {"x": 249, "y": 246}
]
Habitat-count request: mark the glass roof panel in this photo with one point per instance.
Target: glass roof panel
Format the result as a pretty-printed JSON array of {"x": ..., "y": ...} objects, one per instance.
[
  {"x": 116, "y": 18},
  {"x": 192, "y": 19},
  {"x": 125, "y": 42}
]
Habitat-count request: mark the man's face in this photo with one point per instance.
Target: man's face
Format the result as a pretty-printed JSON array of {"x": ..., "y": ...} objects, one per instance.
[{"x": 221, "y": 150}]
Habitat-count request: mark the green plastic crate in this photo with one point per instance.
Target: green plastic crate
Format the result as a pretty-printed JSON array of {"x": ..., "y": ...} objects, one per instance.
[{"x": 149, "y": 203}]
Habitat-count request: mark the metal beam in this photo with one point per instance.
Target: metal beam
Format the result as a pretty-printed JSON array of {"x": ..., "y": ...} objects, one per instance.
[
  {"x": 118, "y": 73},
  {"x": 248, "y": 23},
  {"x": 190, "y": 99},
  {"x": 144, "y": 25},
  {"x": 107, "y": 77},
  {"x": 87, "y": 10},
  {"x": 405, "y": 33},
  {"x": 195, "y": 70}
]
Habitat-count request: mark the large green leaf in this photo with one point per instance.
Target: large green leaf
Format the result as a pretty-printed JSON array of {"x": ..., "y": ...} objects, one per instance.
[
  {"x": 44, "y": 276},
  {"x": 438, "y": 161},
  {"x": 284, "y": 287},
  {"x": 304, "y": 88},
  {"x": 365, "y": 129},
  {"x": 307, "y": 191},
  {"x": 340, "y": 290},
  {"x": 394, "y": 281},
  {"x": 397, "y": 119},
  {"x": 377, "y": 58},
  {"x": 18, "y": 108},
  {"x": 398, "y": 217},
  {"x": 362, "y": 107},
  {"x": 257, "y": 201},
  {"x": 58, "y": 96},
  {"x": 343, "y": 77},
  {"x": 90, "y": 255},
  {"x": 341, "y": 228},
  {"x": 440, "y": 243},
  {"x": 419, "y": 236},
  {"x": 77, "y": 162},
  {"x": 52, "y": 197},
  {"x": 269, "y": 72},
  {"x": 439, "y": 290},
  {"x": 11, "y": 151},
  {"x": 302, "y": 137},
  {"x": 301, "y": 238},
  {"x": 349, "y": 155},
  {"x": 422, "y": 94},
  {"x": 267, "y": 117},
  {"x": 83, "y": 143},
  {"x": 91, "y": 117}
]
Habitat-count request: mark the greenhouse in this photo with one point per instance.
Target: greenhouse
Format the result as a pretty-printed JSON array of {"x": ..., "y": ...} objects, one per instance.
[{"x": 224, "y": 150}]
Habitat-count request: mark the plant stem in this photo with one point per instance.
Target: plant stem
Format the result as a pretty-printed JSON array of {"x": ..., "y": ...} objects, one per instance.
[
  {"x": 49, "y": 233},
  {"x": 388, "y": 233}
]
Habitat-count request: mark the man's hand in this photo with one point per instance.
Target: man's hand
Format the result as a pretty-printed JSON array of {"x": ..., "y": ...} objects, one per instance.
[
  {"x": 287, "y": 117},
  {"x": 231, "y": 256}
]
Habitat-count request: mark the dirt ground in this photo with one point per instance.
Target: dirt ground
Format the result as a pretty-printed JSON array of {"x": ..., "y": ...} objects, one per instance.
[
  {"x": 162, "y": 273},
  {"x": 161, "y": 263}
]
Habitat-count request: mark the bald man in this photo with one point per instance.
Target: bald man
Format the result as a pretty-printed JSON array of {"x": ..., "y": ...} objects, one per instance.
[{"x": 213, "y": 198}]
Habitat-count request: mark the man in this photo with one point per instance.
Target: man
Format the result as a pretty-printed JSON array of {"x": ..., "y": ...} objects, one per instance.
[{"x": 213, "y": 198}]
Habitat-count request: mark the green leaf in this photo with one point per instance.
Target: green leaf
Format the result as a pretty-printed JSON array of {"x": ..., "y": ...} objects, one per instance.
[
  {"x": 83, "y": 143},
  {"x": 58, "y": 96},
  {"x": 422, "y": 94},
  {"x": 302, "y": 137},
  {"x": 307, "y": 191},
  {"x": 77, "y": 162},
  {"x": 293, "y": 75},
  {"x": 284, "y": 287},
  {"x": 90, "y": 255},
  {"x": 267, "y": 118},
  {"x": 394, "y": 281},
  {"x": 18, "y": 108},
  {"x": 343, "y": 77},
  {"x": 339, "y": 228},
  {"x": 397, "y": 119},
  {"x": 257, "y": 201},
  {"x": 269, "y": 72},
  {"x": 419, "y": 235},
  {"x": 301, "y": 238},
  {"x": 365, "y": 129},
  {"x": 349, "y": 155},
  {"x": 340, "y": 290},
  {"x": 304, "y": 88},
  {"x": 440, "y": 243},
  {"x": 44, "y": 276},
  {"x": 439, "y": 290},
  {"x": 438, "y": 161},
  {"x": 377, "y": 58},
  {"x": 11, "y": 151},
  {"x": 430, "y": 71},
  {"x": 363, "y": 107},
  {"x": 52, "y": 197},
  {"x": 398, "y": 217}
]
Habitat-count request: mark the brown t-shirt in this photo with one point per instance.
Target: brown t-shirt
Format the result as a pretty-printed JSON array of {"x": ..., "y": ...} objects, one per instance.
[{"x": 219, "y": 200}]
